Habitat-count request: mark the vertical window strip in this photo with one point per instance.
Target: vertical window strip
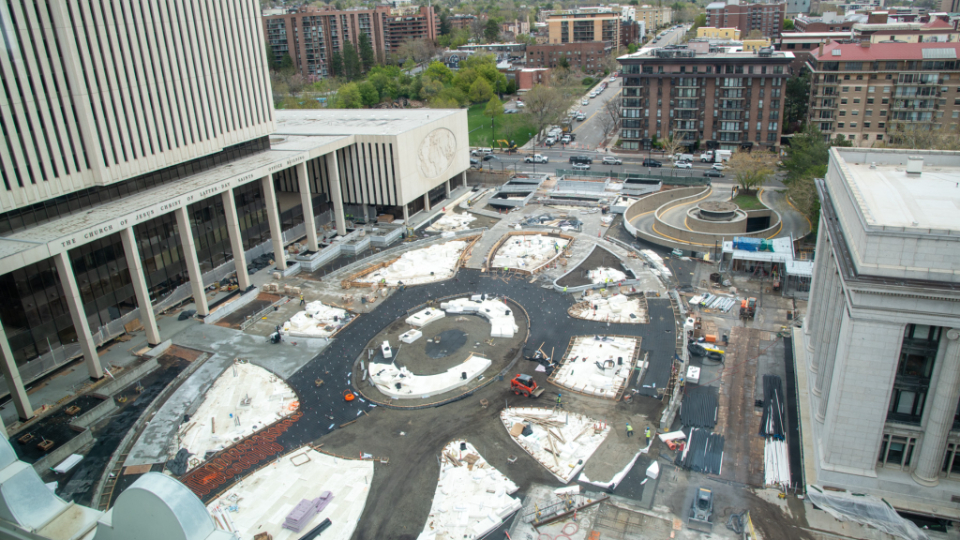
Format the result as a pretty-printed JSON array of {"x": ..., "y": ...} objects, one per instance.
[
  {"x": 42, "y": 126},
  {"x": 81, "y": 159},
  {"x": 160, "y": 98}
]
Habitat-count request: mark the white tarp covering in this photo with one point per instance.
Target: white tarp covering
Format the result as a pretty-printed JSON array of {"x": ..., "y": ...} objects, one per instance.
[
  {"x": 776, "y": 464},
  {"x": 317, "y": 320},
  {"x": 388, "y": 377},
  {"x": 527, "y": 252},
  {"x": 617, "y": 478},
  {"x": 865, "y": 509},
  {"x": 618, "y": 308},
  {"x": 561, "y": 441},
  {"x": 425, "y": 317},
  {"x": 243, "y": 400},
  {"x": 435, "y": 263},
  {"x": 472, "y": 497},
  {"x": 606, "y": 275},
  {"x": 452, "y": 222},
  {"x": 499, "y": 314},
  {"x": 597, "y": 365}
]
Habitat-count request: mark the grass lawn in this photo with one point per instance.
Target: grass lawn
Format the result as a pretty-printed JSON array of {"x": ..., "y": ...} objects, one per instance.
[
  {"x": 748, "y": 202},
  {"x": 513, "y": 127}
]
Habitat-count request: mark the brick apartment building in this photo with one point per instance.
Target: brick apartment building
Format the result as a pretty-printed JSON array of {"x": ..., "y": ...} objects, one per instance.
[
  {"x": 460, "y": 22},
  {"x": 864, "y": 91},
  {"x": 310, "y": 35},
  {"x": 587, "y": 55},
  {"x": 767, "y": 18},
  {"x": 653, "y": 17},
  {"x": 804, "y": 44},
  {"x": 724, "y": 100},
  {"x": 828, "y": 22},
  {"x": 584, "y": 25}
]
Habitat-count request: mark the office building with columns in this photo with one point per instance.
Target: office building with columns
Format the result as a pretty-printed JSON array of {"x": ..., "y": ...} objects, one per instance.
[
  {"x": 880, "y": 352},
  {"x": 142, "y": 162}
]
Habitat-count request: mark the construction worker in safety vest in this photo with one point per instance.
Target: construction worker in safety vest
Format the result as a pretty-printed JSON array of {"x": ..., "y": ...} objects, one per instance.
[
  {"x": 629, "y": 430},
  {"x": 648, "y": 433},
  {"x": 559, "y": 402}
]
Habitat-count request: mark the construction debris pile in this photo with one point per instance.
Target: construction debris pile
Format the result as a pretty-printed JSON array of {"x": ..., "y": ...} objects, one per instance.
[
  {"x": 703, "y": 452},
  {"x": 656, "y": 264},
  {"x": 597, "y": 365},
  {"x": 618, "y": 308},
  {"x": 317, "y": 320},
  {"x": 243, "y": 400},
  {"x": 400, "y": 383},
  {"x": 547, "y": 220},
  {"x": 776, "y": 462},
  {"x": 713, "y": 301},
  {"x": 561, "y": 441},
  {"x": 472, "y": 498},
  {"x": 699, "y": 408},
  {"x": 528, "y": 252},
  {"x": 499, "y": 314},
  {"x": 452, "y": 222},
  {"x": 434, "y": 263},
  {"x": 606, "y": 275}
]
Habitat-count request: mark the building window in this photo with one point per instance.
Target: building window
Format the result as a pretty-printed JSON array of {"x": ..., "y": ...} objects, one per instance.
[
  {"x": 917, "y": 356},
  {"x": 956, "y": 114},
  {"x": 843, "y": 113},
  {"x": 857, "y": 88},
  {"x": 843, "y": 101},
  {"x": 864, "y": 136},
  {"x": 896, "y": 451},
  {"x": 879, "y": 136},
  {"x": 871, "y": 89},
  {"x": 951, "y": 461},
  {"x": 853, "y": 124},
  {"x": 846, "y": 88},
  {"x": 866, "y": 125},
  {"x": 839, "y": 125},
  {"x": 856, "y": 100},
  {"x": 882, "y": 125}
]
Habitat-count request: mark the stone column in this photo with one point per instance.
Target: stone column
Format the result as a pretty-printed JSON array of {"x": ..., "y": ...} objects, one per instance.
[
  {"x": 135, "y": 266},
  {"x": 426, "y": 202},
  {"x": 307, "y": 203},
  {"x": 446, "y": 188},
  {"x": 273, "y": 217},
  {"x": 406, "y": 216},
  {"x": 236, "y": 240},
  {"x": 822, "y": 336},
  {"x": 813, "y": 309},
  {"x": 75, "y": 302},
  {"x": 463, "y": 178},
  {"x": 942, "y": 407},
  {"x": 821, "y": 302},
  {"x": 193, "y": 264},
  {"x": 335, "y": 195},
  {"x": 12, "y": 376},
  {"x": 829, "y": 360},
  {"x": 829, "y": 336}
]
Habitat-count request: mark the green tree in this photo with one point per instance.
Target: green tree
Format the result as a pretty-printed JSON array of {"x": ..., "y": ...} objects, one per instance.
[
  {"x": 480, "y": 91},
  {"x": 544, "y": 105},
  {"x": 349, "y": 97},
  {"x": 438, "y": 71},
  {"x": 491, "y": 30},
  {"x": 271, "y": 59},
  {"x": 807, "y": 158},
  {"x": 369, "y": 94},
  {"x": 386, "y": 85},
  {"x": 587, "y": 81},
  {"x": 351, "y": 61},
  {"x": 444, "y": 23},
  {"x": 563, "y": 63},
  {"x": 752, "y": 169},
  {"x": 286, "y": 64},
  {"x": 336, "y": 65},
  {"x": 430, "y": 88},
  {"x": 511, "y": 87},
  {"x": 798, "y": 94},
  {"x": 367, "y": 56},
  {"x": 632, "y": 48},
  {"x": 494, "y": 110},
  {"x": 788, "y": 24}
]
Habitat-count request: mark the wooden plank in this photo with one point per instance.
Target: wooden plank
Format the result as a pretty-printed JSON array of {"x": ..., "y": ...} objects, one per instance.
[{"x": 137, "y": 469}]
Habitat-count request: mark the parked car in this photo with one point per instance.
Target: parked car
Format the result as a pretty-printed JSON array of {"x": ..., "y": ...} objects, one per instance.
[
  {"x": 652, "y": 163},
  {"x": 489, "y": 157},
  {"x": 581, "y": 117},
  {"x": 536, "y": 158},
  {"x": 719, "y": 166},
  {"x": 683, "y": 165},
  {"x": 584, "y": 101},
  {"x": 510, "y": 111},
  {"x": 580, "y": 167},
  {"x": 477, "y": 152},
  {"x": 520, "y": 104},
  {"x": 581, "y": 159},
  {"x": 474, "y": 162},
  {"x": 610, "y": 160},
  {"x": 713, "y": 173},
  {"x": 613, "y": 79}
]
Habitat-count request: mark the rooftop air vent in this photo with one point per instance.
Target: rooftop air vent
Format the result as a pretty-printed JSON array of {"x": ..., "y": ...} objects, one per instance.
[{"x": 914, "y": 165}]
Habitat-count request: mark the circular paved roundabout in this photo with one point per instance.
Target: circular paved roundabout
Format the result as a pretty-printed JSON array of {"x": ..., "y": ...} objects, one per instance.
[{"x": 413, "y": 437}]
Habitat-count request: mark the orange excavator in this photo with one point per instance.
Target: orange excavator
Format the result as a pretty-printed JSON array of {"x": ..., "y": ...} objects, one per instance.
[{"x": 525, "y": 385}]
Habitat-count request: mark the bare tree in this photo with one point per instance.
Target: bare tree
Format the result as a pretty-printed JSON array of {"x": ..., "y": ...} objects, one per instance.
[
  {"x": 544, "y": 105},
  {"x": 671, "y": 145},
  {"x": 419, "y": 50},
  {"x": 901, "y": 136},
  {"x": 752, "y": 169},
  {"x": 610, "y": 115},
  {"x": 477, "y": 28}
]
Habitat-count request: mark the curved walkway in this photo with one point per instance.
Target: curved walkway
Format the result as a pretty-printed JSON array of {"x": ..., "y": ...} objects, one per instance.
[{"x": 793, "y": 223}]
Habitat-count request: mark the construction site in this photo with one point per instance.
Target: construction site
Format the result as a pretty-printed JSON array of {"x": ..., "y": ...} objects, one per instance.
[{"x": 487, "y": 374}]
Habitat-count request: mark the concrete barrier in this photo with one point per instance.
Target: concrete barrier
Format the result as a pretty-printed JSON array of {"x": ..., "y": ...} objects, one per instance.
[
  {"x": 126, "y": 378},
  {"x": 158, "y": 350},
  {"x": 63, "y": 452},
  {"x": 230, "y": 307},
  {"x": 90, "y": 417}
]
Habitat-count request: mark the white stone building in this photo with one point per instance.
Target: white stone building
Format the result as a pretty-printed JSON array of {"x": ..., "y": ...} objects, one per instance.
[
  {"x": 879, "y": 362},
  {"x": 142, "y": 159}
]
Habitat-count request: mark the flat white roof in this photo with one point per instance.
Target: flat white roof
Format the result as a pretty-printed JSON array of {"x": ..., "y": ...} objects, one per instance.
[
  {"x": 782, "y": 252},
  {"x": 356, "y": 121},
  {"x": 888, "y": 197}
]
